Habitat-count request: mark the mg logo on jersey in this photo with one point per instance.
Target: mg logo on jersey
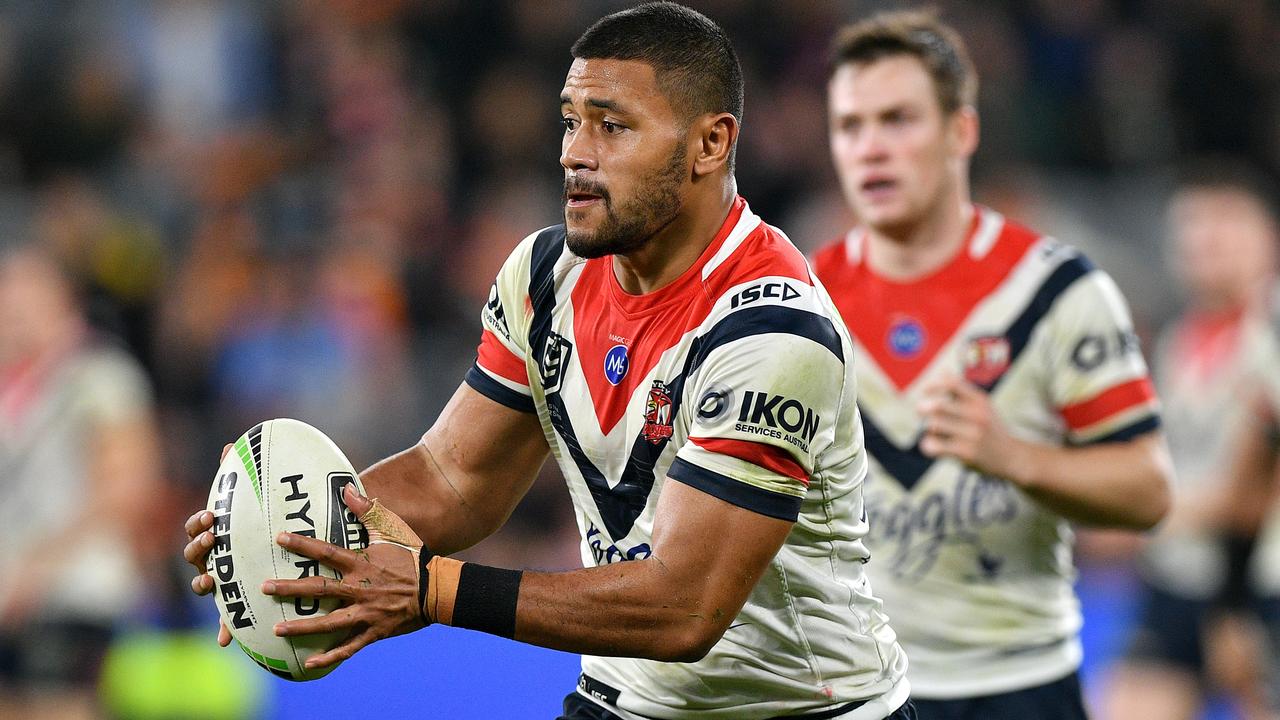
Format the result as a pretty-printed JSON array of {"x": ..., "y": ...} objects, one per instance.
[
  {"x": 986, "y": 359},
  {"x": 615, "y": 364},
  {"x": 657, "y": 414},
  {"x": 906, "y": 338},
  {"x": 555, "y": 356}
]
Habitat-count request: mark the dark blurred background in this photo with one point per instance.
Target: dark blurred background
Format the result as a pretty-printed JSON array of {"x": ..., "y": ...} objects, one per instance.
[{"x": 295, "y": 208}]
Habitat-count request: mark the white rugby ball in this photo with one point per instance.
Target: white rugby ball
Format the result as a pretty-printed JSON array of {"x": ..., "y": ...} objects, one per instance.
[{"x": 282, "y": 475}]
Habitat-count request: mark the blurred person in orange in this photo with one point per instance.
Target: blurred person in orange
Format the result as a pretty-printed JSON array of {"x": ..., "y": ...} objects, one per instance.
[
  {"x": 79, "y": 463},
  {"x": 1002, "y": 389},
  {"x": 1194, "y": 635}
]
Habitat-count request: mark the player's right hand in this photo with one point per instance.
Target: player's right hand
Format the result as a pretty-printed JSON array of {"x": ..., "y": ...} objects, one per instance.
[{"x": 196, "y": 552}]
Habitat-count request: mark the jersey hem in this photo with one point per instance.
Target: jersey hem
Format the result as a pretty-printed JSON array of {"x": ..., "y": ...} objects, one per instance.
[{"x": 495, "y": 391}]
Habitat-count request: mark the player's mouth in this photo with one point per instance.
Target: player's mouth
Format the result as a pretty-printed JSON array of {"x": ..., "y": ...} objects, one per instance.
[
  {"x": 878, "y": 188},
  {"x": 580, "y": 193},
  {"x": 581, "y": 200}
]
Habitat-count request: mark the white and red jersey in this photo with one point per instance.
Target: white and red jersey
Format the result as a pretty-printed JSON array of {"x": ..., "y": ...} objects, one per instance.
[
  {"x": 975, "y": 576},
  {"x": 1203, "y": 369},
  {"x": 734, "y": 379}
]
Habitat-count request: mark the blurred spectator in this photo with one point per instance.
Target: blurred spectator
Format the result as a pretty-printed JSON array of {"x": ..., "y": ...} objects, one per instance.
[
  {"x": 79, "y": 464},
  {"x": 1193, "y": 638}
]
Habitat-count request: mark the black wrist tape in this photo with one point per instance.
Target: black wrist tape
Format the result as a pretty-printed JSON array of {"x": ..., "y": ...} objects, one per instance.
[
  {"x": 1235, "y": 593},
  {"x": 486, "y": 599}
]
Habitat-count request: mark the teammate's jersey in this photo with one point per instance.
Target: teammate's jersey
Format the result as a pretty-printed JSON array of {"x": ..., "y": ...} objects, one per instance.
[
  {"x": 975, "y": 576},
  {"x": 1203, "y": 371},
  {"x": 734, "y": 379}
]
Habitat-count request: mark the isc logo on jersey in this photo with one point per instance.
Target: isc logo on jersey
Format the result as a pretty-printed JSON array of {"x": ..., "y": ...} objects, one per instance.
[{"x": 777, "y": 417}]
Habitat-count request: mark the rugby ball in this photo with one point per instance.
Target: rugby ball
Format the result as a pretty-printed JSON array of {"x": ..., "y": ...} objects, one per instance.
[{"x": 281, "y": 475}]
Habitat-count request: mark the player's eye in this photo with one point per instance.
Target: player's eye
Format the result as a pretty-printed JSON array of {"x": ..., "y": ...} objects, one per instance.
[
  {"x": 611, "y": 128},
  {"x": 568, "y": 123}
]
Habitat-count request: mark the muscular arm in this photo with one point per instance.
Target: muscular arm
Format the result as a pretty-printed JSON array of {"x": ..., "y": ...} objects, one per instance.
[
  {"x": 1121, "y": 484},
  {"x": 673, "y": 606},
  {"x": 459, "y": 484}
]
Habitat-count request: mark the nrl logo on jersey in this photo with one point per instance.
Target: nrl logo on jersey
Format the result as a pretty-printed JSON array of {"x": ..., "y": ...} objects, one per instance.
[
  {"x": 986, "y": 359},
  {"x": 657, "y": 414},
  {"x": 553, "y": 360}
]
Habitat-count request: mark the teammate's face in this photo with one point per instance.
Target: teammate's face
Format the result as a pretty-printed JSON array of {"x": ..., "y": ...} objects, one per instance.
[
  {"x": 1223, "y": 241},
  {"x": 623, "y": 154},
  {"x": 895, "y": 151}
]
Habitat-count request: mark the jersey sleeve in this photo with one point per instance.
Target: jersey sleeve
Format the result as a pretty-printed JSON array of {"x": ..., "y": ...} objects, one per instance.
[
  {"x": 500, "y": 372},
  {"x": 1097, "y": 377},
  {"x": 765, "y": 406}
]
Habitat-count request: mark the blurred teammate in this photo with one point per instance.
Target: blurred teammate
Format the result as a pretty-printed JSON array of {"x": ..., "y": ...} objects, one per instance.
[
  {"x": 78, "y": 463},
  {"x": 1002, "y": 390},
  {"x": 1190, "y": 636},
  {"x": 693, "y": 382}
]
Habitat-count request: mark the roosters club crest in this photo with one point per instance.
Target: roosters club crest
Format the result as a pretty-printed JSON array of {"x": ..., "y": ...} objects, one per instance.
[
  {"x": 986, "y": 359},
  {"x": 657, "y": 414}
]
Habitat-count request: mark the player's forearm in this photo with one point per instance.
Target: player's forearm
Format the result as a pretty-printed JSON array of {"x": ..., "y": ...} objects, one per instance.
[
  {"x": 1124, "y": 485},
  {"x": 633, "y": 609}
]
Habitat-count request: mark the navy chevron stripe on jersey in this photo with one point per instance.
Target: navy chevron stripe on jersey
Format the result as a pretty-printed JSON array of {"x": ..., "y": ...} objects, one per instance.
[
  {"x": 906, "y": 466},
  {"x": 620, "y": 505},
  {"x": 1019, "y": 332},
  {"x": 497, "y": 392}
]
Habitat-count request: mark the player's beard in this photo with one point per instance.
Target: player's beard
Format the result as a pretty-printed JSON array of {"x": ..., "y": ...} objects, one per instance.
[{"x": 628, "y": 227}]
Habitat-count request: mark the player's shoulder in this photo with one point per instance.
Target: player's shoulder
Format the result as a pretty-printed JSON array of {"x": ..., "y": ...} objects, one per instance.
[{"x": 754, "y": 251}]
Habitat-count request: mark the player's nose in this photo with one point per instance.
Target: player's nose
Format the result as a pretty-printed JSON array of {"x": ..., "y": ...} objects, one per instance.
[{"x": 578, "y": 152}]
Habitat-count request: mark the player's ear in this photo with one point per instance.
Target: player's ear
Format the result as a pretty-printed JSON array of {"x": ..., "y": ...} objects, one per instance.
[
  {"x": 964, "y": 131},
  {"x": 715, "y": 136}
]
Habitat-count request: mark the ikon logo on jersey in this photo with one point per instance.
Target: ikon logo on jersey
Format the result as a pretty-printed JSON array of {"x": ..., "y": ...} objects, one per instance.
[
  {"x": 906, "y": 338},
  {"x": 657, "y": 414},
  {"x": 777, "y": 417},
  {"x": 986, "y": 359},
  {"x": 615, "y": 364}
]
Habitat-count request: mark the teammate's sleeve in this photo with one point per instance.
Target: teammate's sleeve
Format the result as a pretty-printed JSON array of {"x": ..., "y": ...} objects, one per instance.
[
  {"x": 500, "y": 372},
  {"x": 1098, "y": 379},
  {"x": 765, "y": 406}
]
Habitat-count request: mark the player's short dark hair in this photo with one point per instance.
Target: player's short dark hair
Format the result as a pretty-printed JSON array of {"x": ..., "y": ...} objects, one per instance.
[
  {"x": 696, "y": 65},
  {"x": 920, "y": 34},
  {"x": 1221, "y": 172}
]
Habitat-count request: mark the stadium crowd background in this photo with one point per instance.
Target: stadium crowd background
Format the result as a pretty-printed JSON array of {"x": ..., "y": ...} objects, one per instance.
[{"x": 296, "y": 208}]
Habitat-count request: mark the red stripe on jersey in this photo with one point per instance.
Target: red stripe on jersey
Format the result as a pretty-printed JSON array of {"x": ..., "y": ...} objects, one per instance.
[
  {"x": 1108, "y": 403},
  {"x": 605, "y": 316},
  {"x": 499, "y": 360},
  {"x": 903, "y": 325},
  {"x": 769, "y": 457}
]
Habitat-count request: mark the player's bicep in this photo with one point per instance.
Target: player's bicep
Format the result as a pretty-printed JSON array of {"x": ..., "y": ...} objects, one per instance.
[
  {"x": 714, "y": 551},
  {"x": 489, "y": 452}
]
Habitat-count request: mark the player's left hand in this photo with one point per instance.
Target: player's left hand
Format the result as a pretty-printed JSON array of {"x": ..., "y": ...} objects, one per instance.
[
  {"x": 960, "y": 422},
  {"x": 378, "y": 588}
]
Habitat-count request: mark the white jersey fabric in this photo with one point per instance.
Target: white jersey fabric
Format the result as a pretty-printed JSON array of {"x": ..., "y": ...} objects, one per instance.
[
  {"x": 734, "y": 379},
  {"x": 975, "y": 576}
]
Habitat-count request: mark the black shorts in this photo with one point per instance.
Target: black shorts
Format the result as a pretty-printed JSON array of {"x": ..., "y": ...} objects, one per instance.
[
  {"x": 577, "y": 707},
  {"x": 1169, "y": 630},
  {"x": 1058, "y": 700},
  {"x": 61, "y": 654}
]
